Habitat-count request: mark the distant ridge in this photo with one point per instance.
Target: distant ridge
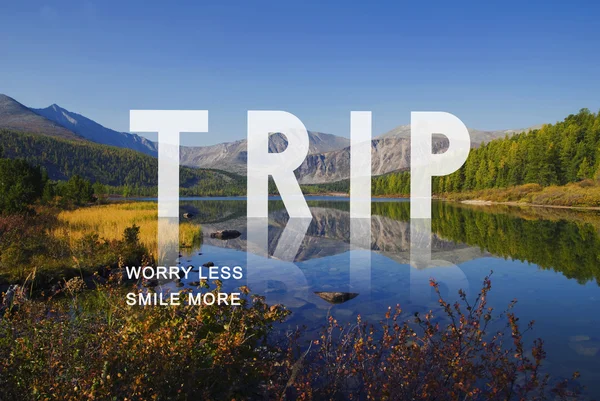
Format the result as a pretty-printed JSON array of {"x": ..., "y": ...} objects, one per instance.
[
  {"x": 15, "y": 116},
  {"x": 477, "y": 136},
  {"x": 95, "y": 132}
]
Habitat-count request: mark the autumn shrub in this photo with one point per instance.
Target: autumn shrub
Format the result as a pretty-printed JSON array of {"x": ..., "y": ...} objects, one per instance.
[
  {"x": 509, "y": 194},
  {"x": 91, "y": 252},
  {"x": 89, "y": 345},
  {"x": 578, "y": 194},
  {"x": 24, "y": 242},
  {"x": 96, "y": 347}
]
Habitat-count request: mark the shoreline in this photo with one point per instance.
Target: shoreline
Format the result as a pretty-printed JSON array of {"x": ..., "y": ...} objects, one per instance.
[
  {"x": 482, "y": 202},
  {"x": 474, "y": 202}
]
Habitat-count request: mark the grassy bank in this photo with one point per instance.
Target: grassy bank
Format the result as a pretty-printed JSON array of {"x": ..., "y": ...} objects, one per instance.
[
  {"x": 584, "y": 193},
  {"x": 109, "y": 222},
  {"x": 581, "y": 194},
  {"x": 60, "y": 244}
]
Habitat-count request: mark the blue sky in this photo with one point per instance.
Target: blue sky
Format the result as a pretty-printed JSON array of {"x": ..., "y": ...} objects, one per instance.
[{"x": 495, "y": 65}]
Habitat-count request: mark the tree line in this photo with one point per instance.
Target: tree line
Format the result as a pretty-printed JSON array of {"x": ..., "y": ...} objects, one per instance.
[{"x": 22, "y": 184}]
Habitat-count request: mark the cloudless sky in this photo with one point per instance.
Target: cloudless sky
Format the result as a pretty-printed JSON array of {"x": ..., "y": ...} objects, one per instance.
[{"x": 495, "y": 65}]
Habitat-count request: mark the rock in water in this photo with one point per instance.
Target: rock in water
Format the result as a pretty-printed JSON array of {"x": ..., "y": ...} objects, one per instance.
[
  {"x": 336, "y": 297},
  {"x": 226, "y": 234},
  {"x": 585, "y": 348},
  {"x": 579, "y": 338},
  {"x": 584, "y": 345},
  {"x": 188, "y": 216}
]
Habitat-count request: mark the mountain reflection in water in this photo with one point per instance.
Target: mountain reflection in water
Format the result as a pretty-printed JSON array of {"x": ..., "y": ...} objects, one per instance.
[{"x": 562, "y": 240}]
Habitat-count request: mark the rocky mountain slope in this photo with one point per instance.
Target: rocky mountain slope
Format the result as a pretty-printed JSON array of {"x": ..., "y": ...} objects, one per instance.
[
  {"x": 387, "y": 155},
  {"x": 232, "y": 156},
  {"x": 477, "y": 136},
  {"x": 15, "y": 116},
  {"x": 95, "y": 132}
]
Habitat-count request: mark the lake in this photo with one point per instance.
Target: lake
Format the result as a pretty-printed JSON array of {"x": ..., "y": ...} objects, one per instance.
[{"x": 547, "y": 259}]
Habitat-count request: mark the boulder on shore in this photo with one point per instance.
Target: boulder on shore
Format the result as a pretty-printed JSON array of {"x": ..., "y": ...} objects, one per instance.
[{"x": 226, "y": 234}]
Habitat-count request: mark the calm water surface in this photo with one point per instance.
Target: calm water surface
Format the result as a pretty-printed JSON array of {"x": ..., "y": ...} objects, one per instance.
[{"x": 548, "y": 259}]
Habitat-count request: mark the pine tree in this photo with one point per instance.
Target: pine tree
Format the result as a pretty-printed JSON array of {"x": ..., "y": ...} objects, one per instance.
[{"x": 584, "y": 169}]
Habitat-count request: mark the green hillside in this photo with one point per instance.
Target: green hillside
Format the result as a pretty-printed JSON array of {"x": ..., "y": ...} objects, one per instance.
[{"x": 111, "y": 166}]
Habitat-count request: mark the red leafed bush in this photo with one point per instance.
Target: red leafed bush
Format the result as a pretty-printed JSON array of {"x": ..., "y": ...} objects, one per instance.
[{"x": 424, "y": 360}]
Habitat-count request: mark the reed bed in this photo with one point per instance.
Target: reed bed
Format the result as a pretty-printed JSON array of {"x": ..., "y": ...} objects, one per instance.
[{"x": 109, "y": 222}]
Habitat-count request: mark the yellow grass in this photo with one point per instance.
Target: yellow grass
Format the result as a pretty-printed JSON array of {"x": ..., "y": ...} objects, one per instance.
[
  {"x": 109, "y": 221},
  {"x": 579, "y": 194}
]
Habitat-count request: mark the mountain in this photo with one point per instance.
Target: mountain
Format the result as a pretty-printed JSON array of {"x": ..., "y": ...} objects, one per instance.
[
  {"x": 95, "y": 132},
  {"x": 15, "y": 116},
  {"x": 387, "y": 155},
  {"x": 229, "y": 156},
  {"x": 232, "y": 156}
]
